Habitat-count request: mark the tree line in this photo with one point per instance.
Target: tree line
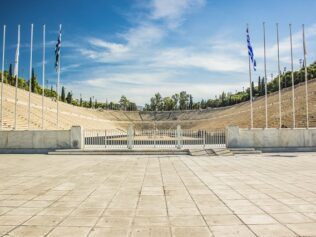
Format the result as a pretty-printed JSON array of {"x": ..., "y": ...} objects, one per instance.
[
  {"x": 184, "y": 101},
  {"x": 178, "y": 101},
  {"x": 64, "y": 96}
]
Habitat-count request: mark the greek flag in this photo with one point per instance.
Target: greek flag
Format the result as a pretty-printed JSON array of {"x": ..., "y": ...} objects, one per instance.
[
  {"x": 57, "y": 50},
  {"x": 250, "y": 51}
]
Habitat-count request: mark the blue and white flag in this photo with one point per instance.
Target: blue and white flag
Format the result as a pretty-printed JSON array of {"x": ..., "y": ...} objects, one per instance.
[
  {"x": 250, "y": 52},
  {"x": 57, "y": 50}
]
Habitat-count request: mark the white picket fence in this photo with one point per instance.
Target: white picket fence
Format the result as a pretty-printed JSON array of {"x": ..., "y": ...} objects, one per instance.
[{"x": 133, "y": 139}]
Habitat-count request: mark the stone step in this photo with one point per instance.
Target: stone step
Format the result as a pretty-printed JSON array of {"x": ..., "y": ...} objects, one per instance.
[
  {"x": 242, "y": 149},
  {"x": 245, "y": 151},
  {"x": 210, "y": 152},
  {"x": 118, "y": 152},
  {"x": 198, "y": 152},
  {"x": 222, "y": 152},
  {"x": 288, "y": 149}
]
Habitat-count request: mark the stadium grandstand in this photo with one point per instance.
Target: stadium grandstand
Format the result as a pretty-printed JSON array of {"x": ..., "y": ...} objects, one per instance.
[{"x": 210, "y": 118}]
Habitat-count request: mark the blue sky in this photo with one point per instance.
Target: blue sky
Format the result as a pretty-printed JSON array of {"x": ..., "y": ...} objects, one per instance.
[{"x": 136, "y": 48}]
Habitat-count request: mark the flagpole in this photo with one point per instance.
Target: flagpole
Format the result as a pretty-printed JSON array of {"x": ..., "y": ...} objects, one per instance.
[
  {"x": 43, "y": 76},
  {"x": 16, "y": 77},
  {"x": 58, "y": 79},
  {"x": 305, "y": 64},
  {"x": 279, "y": 72},
  {"x": 2, "y": 75},
  {"x": 251, "y": 109},
  {"x": 265, "y": 74},
  {"x": 292, "y": 75},
  {"x": 250, "y": 91},
  {"x": 30, "y": 81}
]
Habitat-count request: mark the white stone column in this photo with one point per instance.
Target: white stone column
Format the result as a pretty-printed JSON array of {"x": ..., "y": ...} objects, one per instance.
[
  {"x": 76, "y": 137},
  {"x": 130, "y": 137},
  {"x": 179, "y": 137}
]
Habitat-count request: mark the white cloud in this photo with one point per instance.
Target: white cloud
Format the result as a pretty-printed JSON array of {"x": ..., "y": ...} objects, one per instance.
[
  {"x": 173, "y": 11},
  {"x": 134, "y": 78},
  {"x": 206, "y": 59},
  {"x": 70, "y": 67},
  {"x": 140, "y": 85},
  {"x": 112, "y": 47},
  {"x": 138, "y": 41},
  {"x": 143, "y": 35},
  {"x": 142, "y": 62}
]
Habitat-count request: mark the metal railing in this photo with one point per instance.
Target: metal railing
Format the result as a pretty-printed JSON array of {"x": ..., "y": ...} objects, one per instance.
[{"x": 155, "y": 138}]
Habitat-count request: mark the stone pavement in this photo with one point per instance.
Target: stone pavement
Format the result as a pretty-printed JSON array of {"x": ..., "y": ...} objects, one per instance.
[{"x": 259, "y": 195}]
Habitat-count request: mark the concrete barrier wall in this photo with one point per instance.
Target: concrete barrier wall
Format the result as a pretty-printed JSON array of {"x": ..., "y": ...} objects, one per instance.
[
  {"x": 42, "y": 139},
  {"x": 272, "y": 137}
]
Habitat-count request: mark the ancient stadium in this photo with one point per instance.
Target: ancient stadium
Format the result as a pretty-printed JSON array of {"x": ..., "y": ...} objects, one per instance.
[{"x": 226, "y": 147}]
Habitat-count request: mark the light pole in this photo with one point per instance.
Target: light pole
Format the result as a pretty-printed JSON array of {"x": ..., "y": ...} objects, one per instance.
[
  {"x": 284, "y": 78},
  {"x": 301, "y": 65},
  {"x": 271, "y": 81}
]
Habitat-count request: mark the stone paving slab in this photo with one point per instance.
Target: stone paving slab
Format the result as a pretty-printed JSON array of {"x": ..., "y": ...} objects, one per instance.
[{"x": 271, "y": 195}]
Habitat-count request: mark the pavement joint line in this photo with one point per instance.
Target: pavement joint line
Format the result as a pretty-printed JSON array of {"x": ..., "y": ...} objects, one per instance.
[
  {"x": 139, "y": 196},
  {"x": 209, "y": 229},
  {"x": 285, "y": 191},
  {"x": 98, "y": 219},
  {"x": 65, "y": 217},
  {"x": 48, "y": 207},
  {"x": 259, "y": 207},
  {"x": 165, "y": 198},
  {"x": 38, "y": 212},
  {"x": 102, "y": 213},
  {"x": 270, "y": 187},
  {"x": 202, "y": 181}
]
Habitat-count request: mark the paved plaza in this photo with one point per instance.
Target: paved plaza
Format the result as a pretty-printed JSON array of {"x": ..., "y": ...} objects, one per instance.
[{"x": 268, "y": 195}]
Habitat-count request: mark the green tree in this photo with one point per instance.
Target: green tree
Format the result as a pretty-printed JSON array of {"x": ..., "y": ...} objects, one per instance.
[
  {"x": 147, "y": 107},
  {"x": 124, "y": 102},
  {"x": 168, "y": 103},
  {"x": 90, "y": 103},
  {"x": 175, "y": 98},
  {"x": 203, "y": 104},
  {"x": 132, "y": 106},
  {"x": 253, "y": 88},
  {"x": 191, "y": 102},
  {"x": 259, "y": 86},
  {"x": 183, "y": 100},
  {"x": 69, "y": 98},
  {"x": 34, "y": 84},
  {"x": 263, "y": 86},
  {"x": 10, "y": 76},
  {"x": 63, "y": 94},
  {"x": 156, "y": 103}
]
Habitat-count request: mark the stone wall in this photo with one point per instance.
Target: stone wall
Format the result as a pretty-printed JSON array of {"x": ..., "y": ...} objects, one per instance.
[
  {"x": 271, "y": 137},
  {"x": 42, "y": 139}
]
